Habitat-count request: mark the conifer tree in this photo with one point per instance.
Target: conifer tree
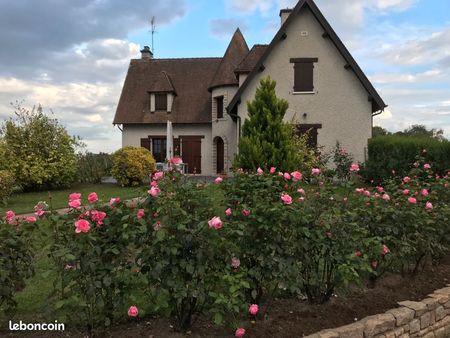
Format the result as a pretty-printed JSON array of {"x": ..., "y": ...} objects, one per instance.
[{"x": 266, "y": 139}]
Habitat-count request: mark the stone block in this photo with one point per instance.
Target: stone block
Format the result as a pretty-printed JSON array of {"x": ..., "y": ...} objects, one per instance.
[
  {"x": 429, "y": 335},
  {"x": 403, "y": 315},
  {"x": 447, "y": 305},
  {"x": 440, "y": 297},
  {"x": 431, "y": 303},
  {"x": 419, "y": 307},
  {"x": 425, "y": 320},
  {"x": 440, "y": 333},
  {"x": 414, "y": 326},
  {"x": 445, "y": 291},
  {"x": 328, "y": 334},
  {"x": 378, "y": 324},
  {"x": 355, "y": 330}
]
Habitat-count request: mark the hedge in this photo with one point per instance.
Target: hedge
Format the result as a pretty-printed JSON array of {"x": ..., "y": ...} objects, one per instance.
[{"x": 393, "y": 155}]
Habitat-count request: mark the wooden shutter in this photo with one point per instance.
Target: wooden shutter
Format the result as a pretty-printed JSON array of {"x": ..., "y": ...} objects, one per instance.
[
  {"x": 303, "y": 77},
  {"x": 161, "y": 102},
  {"x": 145, "y": 143},
  {"x": 219, "y": 106}
]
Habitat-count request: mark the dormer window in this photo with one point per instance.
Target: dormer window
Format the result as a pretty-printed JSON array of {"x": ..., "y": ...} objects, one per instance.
[
  {"x": 304, "y": 74},
  {"x": 161, "y": 102},
  {"x": 219, "y": 106}
]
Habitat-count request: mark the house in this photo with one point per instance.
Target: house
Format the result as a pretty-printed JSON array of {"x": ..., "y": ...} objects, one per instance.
[{"x": 205, "y": 98}]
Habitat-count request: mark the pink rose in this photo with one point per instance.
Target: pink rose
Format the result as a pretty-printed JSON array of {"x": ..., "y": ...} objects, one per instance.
[
  {"x": 157, "y": 225},
  {"x": 228, "y": 212},
  {"x": 114, "y": 201},
  {"x": 287, "y": 200},
  {"x": 429, "y": 206},
  {"x": 74, "y": 196},
  {"x": 98, "y": 216},
  {"x": 176, "y": 161},
  {"x": 366, "y": 193},
  {"x": 82, "y": 226},
  {"x": 385, "y": 250},
  {"x": 154, "y": 191},
  {"x": 380, "y": 189},
  {"x": 218, "y": 180},
  {"x": 359, "y": 190},
  {"x": 215, "y": 223},
  {"x": 412, "y": 200},
  {"x": 301, "y": 191},
  {"x": 140, "y": 213},
  {"x": 315, "y": 172},
  {"x": 386, "y": 197},
  {"x": 253, "y": 309},
  {"x": 354, "y": 168},
  {"x": 272, "y": 170},
  {"x": 133, "y": 311},
  {"x": 158, "y": 175},
  {"x": 235, "y": 262},
  {"x": 406, "y": 179},
  {"x": 301, "y": 199},
  {"x": 39, "y": 212},
  {"x": 427, "y": 166},
  {"x": 406, "y": 192},
  {"x": 358, "y": 253},
  {"x": 10, "y": 216},
  {"x": 92, "y": 197},
  {"x": 240, "y": 332},
  {"x": 416, "y": 164},
  {"x": 259, "y": 172},
  {"x": 296, "y": 176},
  {"x": 75, "y": 204},
  {"x": 246, "y": 213},
  {"x": 287, "y": 176},
  {"x": 30, "y": 219},
  {"x": 425, "y": 192}
]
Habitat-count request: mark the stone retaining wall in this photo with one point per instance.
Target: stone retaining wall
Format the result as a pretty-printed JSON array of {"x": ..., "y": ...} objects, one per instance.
[{"x": 429, "y": 318}]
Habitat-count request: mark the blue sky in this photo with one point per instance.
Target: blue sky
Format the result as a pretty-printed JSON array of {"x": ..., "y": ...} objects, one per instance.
[{"x": 72, "y": 56}]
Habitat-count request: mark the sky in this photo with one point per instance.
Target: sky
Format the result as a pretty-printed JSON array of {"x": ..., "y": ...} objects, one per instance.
[{"x": 71, "y": 56}]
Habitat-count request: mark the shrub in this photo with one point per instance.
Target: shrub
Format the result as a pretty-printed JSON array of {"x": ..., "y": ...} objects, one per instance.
[
  {"x": 39, "y": 151},
  {"x": 393, "y": 156},
  {"x": 342, "y": 161},
  {"x": 93, "y": 167},
  {"x": 131, "y": 166},
  {"x": 6, "y": 185}
]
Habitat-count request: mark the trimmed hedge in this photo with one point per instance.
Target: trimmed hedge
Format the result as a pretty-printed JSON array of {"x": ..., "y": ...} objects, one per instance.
[{"x": 395, "y": 154}]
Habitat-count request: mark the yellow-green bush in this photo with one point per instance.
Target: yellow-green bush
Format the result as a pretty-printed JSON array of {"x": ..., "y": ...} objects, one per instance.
[
  {"x": 6, "y": 185},
  {"x": 131, "y": 166}
]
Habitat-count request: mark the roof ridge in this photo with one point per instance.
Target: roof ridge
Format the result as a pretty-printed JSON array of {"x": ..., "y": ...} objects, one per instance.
[{"x": 182, "y": 58}]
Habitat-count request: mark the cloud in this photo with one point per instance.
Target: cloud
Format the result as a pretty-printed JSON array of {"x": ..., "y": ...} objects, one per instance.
[
  {"x": 224, "y": 28},
  {"x": 429, "y": 76}
]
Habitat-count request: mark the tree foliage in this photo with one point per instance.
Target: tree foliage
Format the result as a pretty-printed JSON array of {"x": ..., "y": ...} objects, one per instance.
[
  {"x": 38, "y": 150},
  {"x": 266, "y": 140}
]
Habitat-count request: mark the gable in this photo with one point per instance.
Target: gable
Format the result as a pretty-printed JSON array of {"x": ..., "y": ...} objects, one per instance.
[{"x": 328, "y": 34}]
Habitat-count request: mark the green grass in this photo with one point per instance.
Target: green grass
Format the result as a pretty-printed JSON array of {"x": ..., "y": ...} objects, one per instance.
[{"x": 22, "y": 203}]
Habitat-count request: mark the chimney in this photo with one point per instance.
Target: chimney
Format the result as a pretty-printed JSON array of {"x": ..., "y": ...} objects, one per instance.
[
  {"x": 284, "y": 14},
  {"x": 146, "y": 53}
]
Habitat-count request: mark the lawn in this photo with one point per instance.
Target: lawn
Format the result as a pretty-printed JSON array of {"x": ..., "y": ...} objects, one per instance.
[{"x": 22, "y": 203}]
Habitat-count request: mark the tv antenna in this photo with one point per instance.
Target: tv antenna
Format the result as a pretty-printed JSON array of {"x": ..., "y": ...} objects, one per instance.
[{"x": 153, "y": 30}]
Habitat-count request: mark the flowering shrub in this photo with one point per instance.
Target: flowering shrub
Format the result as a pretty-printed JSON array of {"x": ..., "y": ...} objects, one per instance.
[
  {"x": 131, "y": 166},
  {"x": 342, "y": 161},
  {"x": 16, "y": 257}
]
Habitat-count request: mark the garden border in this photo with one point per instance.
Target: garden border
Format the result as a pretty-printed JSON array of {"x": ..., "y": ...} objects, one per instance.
[{"x": 428, "y": 318}]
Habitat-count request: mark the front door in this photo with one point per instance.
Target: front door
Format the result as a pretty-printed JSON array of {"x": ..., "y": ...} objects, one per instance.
[{"x": 191, "y": 153}]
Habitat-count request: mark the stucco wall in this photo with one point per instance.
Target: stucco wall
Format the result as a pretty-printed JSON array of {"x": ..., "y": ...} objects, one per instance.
[
  {"x": 132, "y": 134},
  {"x": 224, "y": 127},
  {"x": 340, "y": 102}
]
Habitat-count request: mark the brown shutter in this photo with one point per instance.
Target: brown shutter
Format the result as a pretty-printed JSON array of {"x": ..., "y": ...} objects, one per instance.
[
  {"x": 161, "y": 102},
  {"x": 145, "y": 143},
  {"x": 219, "y": 104},
  {"x": 303, "y": 77}
]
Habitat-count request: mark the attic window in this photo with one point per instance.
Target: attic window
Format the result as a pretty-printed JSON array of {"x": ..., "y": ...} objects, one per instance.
[
  {"x": 219, "y": 106},
  {"x": 161, "y": 102},
  {"x": 304, "y": 75}
]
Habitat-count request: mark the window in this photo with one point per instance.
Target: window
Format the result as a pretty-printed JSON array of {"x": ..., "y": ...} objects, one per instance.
[
  {"x": 159, "y": 149},
  {"x": 219, "y": 107},
  {"x": 304, "y": 75},
  {"x": 161, "y": 102},
  {"x": 311, "y": 130}
]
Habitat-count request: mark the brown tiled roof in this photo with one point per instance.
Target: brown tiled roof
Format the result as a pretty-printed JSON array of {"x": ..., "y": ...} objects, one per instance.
[
  {"x": 188, "y": 78},
  {"x": 251, "y": 59},
  {"x": 236, "y": 52}
]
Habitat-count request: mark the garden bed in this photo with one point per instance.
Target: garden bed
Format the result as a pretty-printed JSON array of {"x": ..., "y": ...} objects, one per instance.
[{"x": 295, "y": 318}]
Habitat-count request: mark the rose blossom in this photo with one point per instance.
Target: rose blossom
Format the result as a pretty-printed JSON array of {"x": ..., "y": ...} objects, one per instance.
[
  {"x": 406, "y": 179},
  {"x": 240, "y": 332},
  {"x": 425, "y": 192},
  {"x": 228, "y": 212},
  {"x": 287, "y": 176},
  {"x": 385, "y": 250},
  {"x": 176, "y": 160},
  {"x": 429, "y": 206},
  {"x": 215, "y": 223},
  {"x": 315, "y": 171},
  {"x": 412, "y": 200},
  {"x": 218, "y": 180},
  {"x": 140, "y": 213},
  {"x": 82, "y": 226},
  {"x": 98, "y": 216},
  {"x": 246, "y": 213},
  {"x": 10, "y": 216},
  {"x": 380, "y": 189},
  {"x": 358, "y": 253},
  {"x": 158, "y": 175},
  {"x": 366, "y": 193},
  {"x": 92, "y": 197},
  {"x": 301, "y": 199},
  {"x": 154, "y": 191},
  {"x": 253, "y": 309},
  {"x": 427, "y": 166},
  {"x": 386, "y": 197},
  {"x": 286, "y": 199},
  {"x": 406, "y": 192},
  {"x": 354, "y": 168},
  {"x": 74, "y": 196},
  {"x": 272, "y": 170},
  {"x": 259, "y": 172},
  {"x": 133, "y": 311},
  {"x": 157, "y": 225},
  {"x": 296, "y": 176},
  {"x": 114, "y": 201},
  {"x": 359, "y": 190},
  {"x": 30, "y": 219},
  {"x": 75, "y": 204},
  {"x": 235, "y": 262}
]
